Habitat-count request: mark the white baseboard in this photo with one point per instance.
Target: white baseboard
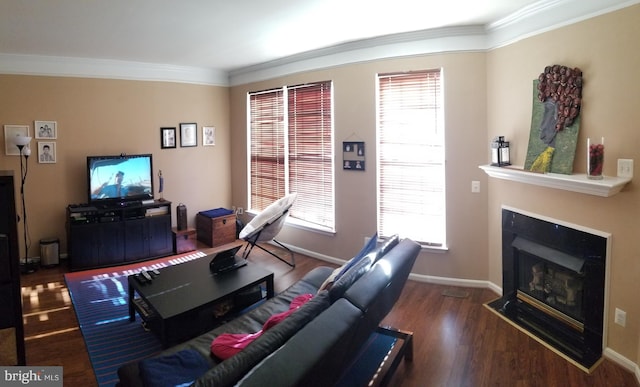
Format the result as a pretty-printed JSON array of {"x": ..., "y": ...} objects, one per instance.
[
  {"x": 313, "y": 254},
  {"x": 622, "y": 362},
  {"x": 456, "y": 282}
]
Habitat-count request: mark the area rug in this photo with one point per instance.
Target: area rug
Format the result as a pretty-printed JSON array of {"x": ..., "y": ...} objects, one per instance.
[{"x": 99, "y": 298}]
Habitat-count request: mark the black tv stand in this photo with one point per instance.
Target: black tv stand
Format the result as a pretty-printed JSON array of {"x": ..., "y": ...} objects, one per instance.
[
  {"x": 131, "y": 203},
  {"x": 118, "y": 233}
]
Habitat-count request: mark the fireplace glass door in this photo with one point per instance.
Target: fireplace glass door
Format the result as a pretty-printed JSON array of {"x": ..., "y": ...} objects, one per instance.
[{"x": 551, "y": 281}]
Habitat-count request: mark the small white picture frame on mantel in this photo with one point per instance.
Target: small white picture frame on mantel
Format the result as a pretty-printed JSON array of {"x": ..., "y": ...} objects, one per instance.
[{"x": 46, "y": 130}]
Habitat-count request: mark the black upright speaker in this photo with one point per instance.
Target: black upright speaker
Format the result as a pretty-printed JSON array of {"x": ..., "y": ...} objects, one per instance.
[{"x": 181, "y": 215}]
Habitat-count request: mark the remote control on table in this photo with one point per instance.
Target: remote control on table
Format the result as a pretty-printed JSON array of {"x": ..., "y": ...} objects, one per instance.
[{"x": 146, "y": 275}]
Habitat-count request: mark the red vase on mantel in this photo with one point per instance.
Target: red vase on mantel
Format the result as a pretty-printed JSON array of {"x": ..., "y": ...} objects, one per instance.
[{"x": 595, "y": 159}]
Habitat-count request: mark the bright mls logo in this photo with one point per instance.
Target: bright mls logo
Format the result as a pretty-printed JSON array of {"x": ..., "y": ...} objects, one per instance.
[{"x": 31, "y": 376}]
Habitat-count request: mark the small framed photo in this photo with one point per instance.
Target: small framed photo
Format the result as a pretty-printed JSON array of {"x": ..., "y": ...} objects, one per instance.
[
  {"x": 208, "y": 136},
  {"x": 167, "y": 138},
  {"x": 11, "y": 131},
  {"x": 46, "y": 130},
  {"x": 46, "y": 152},
  {"x": 188, "y": 135},
  {"x": 353, "y": 155}
]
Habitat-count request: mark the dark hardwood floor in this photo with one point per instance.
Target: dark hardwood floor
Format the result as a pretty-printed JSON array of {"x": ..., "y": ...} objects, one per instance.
[{"x": 457, "y": 340}]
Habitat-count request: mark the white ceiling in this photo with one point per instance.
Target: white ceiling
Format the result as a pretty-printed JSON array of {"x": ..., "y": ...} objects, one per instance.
[
  {"x": 221, "y": 34},
  {"x": 228, "y": 36}
]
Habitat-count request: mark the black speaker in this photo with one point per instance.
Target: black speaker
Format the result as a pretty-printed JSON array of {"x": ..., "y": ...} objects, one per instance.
[{"x": 181, "y": 215}]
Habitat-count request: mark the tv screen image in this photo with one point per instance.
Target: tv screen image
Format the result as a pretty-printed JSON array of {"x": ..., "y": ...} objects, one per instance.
[{"x": 120, "y": 178}]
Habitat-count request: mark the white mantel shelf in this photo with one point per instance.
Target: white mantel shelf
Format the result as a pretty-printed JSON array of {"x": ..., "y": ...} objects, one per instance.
[{"x": 606, "y": 187}]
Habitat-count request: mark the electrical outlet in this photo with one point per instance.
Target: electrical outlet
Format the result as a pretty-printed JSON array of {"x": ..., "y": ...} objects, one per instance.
[
  {"x": 475, "y": 186},
  {"x": 625, "y": 168},
  {"x": 620, "y": 317},
  {"x": 240, "y": 211}
]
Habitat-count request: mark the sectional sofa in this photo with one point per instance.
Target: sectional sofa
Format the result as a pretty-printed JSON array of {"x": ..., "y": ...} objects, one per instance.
[{"x": 314, "y": 339}]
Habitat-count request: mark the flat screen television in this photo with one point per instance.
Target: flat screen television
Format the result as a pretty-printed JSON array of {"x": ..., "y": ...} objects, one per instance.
[{"x": 119, "y": 179}]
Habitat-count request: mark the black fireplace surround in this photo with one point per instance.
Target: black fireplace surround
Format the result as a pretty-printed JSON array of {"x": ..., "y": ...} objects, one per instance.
[{"x": 554, "y": 283}]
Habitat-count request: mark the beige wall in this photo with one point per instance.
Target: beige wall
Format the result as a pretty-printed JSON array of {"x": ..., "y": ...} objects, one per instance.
[
  {"x": 606, "y": 49},
  {"x": 98, "y": 117},
  {"x": 466, "y": 148}
]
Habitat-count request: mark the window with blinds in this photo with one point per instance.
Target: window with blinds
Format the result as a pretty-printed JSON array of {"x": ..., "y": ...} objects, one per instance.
[
  {"x": 291, "y": 150},
  {"x": 411, "y": 174}
]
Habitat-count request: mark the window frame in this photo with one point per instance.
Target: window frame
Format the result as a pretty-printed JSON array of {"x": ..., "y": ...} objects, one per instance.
[
  {"x": 322, "y": 217},
  {"x": 396, "y": 211}
]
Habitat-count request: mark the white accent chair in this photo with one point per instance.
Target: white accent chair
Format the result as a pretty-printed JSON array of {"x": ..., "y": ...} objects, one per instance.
[{"x": 266, "y": 226}]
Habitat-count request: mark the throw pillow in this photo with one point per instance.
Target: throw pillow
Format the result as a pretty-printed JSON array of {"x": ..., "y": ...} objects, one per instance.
[
  {"x": 339, "y": 272},
  {"x": 387, "y": 245},
  {"x": 229, "y": 344},
  {"x": 180, "y": 368}
]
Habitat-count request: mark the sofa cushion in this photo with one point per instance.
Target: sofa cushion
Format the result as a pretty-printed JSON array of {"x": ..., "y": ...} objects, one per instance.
[
  {"x": 316, "y": 277},
  {"x": 315, "y": 355},
  {"x": 229, "y": 344},
  {"x": 229, "y": 371},
  {"x": 180, "y": 368}
]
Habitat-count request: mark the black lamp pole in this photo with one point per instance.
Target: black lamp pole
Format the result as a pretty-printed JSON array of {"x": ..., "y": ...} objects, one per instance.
[{"x": 27, "y": 267}]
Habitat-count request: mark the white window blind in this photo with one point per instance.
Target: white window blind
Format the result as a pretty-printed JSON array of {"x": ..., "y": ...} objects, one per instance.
[
  {"x": 292, "y": 150},
  {"x": 411, "y": 175},
  {"x": 267, "y": 154},
  {"x": 311, "y": 152}
]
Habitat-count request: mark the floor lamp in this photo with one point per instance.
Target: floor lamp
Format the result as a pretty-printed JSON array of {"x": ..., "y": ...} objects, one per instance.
[{"x": 22, "y": 142}]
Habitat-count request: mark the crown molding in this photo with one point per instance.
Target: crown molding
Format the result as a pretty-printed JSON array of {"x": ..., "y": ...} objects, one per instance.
[
  {"x": 547, "y": 15},
  {"x": 448, "y": 39},
  {"x": 108, "y": 69},
  {"x": 535, "y": 19},
  {"x": 540, "y": 17}
]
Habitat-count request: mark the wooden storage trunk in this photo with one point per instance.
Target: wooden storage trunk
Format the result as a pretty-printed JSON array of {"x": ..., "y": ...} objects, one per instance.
[
  {"x": 183, "y": 240},
  {"x": 216, "y": 231}
]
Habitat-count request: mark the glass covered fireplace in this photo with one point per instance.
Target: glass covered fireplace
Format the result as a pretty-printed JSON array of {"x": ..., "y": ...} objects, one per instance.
[{"x": 553, "y": 283}]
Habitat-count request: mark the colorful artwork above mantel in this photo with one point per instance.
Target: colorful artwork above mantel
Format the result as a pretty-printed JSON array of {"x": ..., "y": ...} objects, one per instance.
[{"x": 555, "y": 120}]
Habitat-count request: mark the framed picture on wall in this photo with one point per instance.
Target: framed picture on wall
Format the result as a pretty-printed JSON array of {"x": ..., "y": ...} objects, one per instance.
[
  {"x": 46, "y": 130},
  {"x": 167, "y": 138},
  {"x": 46, "y": 152},
  {"x": 208, "y": 136},
  {"x": 353, "y": 155},
  {"x": 11, "y": 131},
  {"x": 188, "y": 134}
]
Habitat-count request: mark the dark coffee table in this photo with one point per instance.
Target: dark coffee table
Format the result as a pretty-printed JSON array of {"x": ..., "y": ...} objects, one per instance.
[{"x": 182, "y": 301}]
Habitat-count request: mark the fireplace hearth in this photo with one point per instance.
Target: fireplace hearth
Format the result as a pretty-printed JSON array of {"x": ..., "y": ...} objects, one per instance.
[{"x": 554, "y": 283}]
